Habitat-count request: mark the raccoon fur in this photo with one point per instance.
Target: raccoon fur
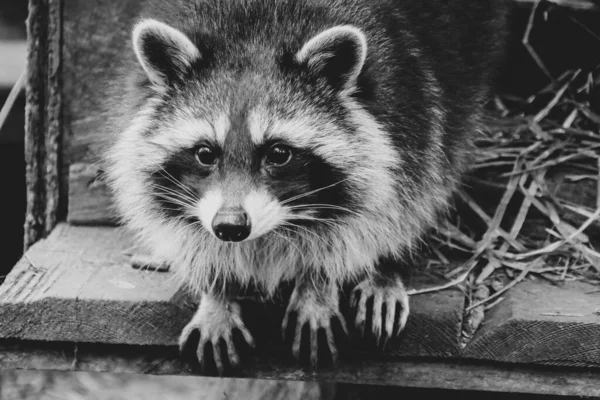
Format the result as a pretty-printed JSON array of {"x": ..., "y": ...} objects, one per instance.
[{"x": 303, "y": 141}]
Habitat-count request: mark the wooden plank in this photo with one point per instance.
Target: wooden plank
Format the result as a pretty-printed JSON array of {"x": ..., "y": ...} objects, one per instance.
[
  {"x": 89, "y": 196},
  {"x": 374, "y": 371},
  {"x": 43, "y": 123},
  {"x": 83, "y": 385},
  {"x": 77, "y": 285},
  {"x": 95, "y": 44},
  {"x": 541, "y": 323}
]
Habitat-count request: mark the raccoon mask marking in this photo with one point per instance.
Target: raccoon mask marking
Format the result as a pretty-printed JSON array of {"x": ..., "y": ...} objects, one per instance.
[
  {"x": 219, "y": 155},
  {"x": 236, "y": 178}
]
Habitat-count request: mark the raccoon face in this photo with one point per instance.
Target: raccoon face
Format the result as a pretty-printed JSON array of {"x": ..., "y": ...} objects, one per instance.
[{"x": 242, "y": 154}]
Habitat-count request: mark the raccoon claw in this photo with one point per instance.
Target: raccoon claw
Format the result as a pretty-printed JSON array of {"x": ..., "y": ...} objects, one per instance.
[
  {"x": 218, "y": 334},
  {"x": 380, "y": 310},
  {"x": 314, "y": 329}
]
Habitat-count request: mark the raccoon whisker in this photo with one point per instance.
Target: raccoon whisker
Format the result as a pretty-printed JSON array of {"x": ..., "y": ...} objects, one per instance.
[
  {"x": 286, "y": 201},
  {"x": 174, "y": 198},
  {"x": 292, "y": 232},
  {"x": 327, "y": 221},
  {"x": 185, "y": 191},
  {"x": 307, "y": 231},
  {"x": 323, "y": 206},
  {"x": 170, "y": 209},
  {"x": 175, "y": 201},
  {"x": 291, "y": 243},
  {"x": 172, "y": 190},
  {"x": 174, "y": 193},
  {"x": 195, "y": 225},
  {"x": 177, "y": 182}
]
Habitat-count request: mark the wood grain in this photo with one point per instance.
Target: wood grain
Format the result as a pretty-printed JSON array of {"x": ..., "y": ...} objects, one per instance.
[
  {"x": 96, "y": 44},
  {"x": 89, "y": 197},
  {"x": 434, "y": 325},
  {"x": 34, "y": 119},
  {"x": 43, "y": 120},
  {"x": 375, "y": 371},
  {"x": 77, "y": 286},
  {"x": 541, "y": 323},
  {"x": 53, "y": 132},
  {"x": 109, "y": 386}
]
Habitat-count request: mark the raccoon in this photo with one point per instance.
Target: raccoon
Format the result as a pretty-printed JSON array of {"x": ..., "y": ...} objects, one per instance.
[{"x": 303, "y": 141}]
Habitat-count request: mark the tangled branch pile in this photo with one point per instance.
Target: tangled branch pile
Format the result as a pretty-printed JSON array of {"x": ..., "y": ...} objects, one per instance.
[{"x": 541, "y": 157}]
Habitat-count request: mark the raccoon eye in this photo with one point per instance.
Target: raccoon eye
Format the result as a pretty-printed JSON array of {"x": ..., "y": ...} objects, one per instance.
[
  {"x": 278, "y": 155},
  {"x": 206, "y": 156}
]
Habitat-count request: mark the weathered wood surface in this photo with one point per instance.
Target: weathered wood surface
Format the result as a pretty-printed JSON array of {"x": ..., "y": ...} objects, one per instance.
[
  {"x": 23, "y": 385},
  {"x": 77, "y": 285},
  {"x": 89, "y": 197},
  {"x": 375, "y": 371},
  {"x": 43, "y": 120},
  {"x": 541, "y": 323},
  {"x": 96, "y": 43}
]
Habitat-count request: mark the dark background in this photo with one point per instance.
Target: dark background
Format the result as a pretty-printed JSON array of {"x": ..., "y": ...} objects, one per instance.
[
  {"x": 12, "y": 164},
  {"x": 564, "y": 39}
]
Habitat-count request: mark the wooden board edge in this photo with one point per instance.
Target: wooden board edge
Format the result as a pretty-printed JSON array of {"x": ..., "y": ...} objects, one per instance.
[
  {"x": 29, "y": 384},
  {"x": 448, "y": 374},
  {"x": 539, "y": 323}
]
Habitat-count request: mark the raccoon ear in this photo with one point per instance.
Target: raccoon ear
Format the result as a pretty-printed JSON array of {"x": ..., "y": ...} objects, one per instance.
[
  {"x": 164, "y": 52},
  {"x": 338, "y": 54}
]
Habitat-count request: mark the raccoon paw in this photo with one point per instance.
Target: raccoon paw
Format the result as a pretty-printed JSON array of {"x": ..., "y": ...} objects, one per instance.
[
  {"x": 380, "y": 308},
  {"x": 314, "y": 326},
  {"x": 218, "y": 335}
]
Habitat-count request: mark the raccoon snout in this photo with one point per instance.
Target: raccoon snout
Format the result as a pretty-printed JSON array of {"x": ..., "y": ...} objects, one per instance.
[{"x": 231, "y": 225}]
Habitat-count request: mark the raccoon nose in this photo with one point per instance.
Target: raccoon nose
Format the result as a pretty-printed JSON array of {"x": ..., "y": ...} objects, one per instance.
[{"x": 231, "y": 225}]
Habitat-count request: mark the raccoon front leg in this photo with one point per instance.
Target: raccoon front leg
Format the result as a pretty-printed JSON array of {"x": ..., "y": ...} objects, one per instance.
[
  {"x": 313, "y": 324},
  {"x": 385, "y": 296},
  {"x": 220, "y": 331}
]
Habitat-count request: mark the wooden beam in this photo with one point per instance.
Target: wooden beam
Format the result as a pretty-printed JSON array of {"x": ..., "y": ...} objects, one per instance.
[
  {"x": 81, "y": 385},
  {"x": 78, "y": 286},
  {"x": 43, "y": 119},
  {"x": 89, "y": 197},
  {"x": 371, "y": 371},
  {"x": 541, "y": 323}
]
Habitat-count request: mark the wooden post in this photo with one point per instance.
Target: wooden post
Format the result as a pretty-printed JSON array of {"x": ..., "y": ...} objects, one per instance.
[{"x": 43, "y": 118}]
